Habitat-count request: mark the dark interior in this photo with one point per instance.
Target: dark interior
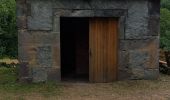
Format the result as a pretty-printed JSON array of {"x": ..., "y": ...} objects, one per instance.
[{"x": 74, "y": 49}]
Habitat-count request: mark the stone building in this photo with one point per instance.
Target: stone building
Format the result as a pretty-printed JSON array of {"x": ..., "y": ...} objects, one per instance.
[{"x": 92, "y": 40}]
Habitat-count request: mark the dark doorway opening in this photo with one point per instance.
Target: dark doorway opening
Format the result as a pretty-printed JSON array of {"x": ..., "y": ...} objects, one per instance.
[{"x": 74, "y": 49}]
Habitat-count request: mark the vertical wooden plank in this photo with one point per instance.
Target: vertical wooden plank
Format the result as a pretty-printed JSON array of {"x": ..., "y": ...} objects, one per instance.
[{"x": 103, "y": 42}]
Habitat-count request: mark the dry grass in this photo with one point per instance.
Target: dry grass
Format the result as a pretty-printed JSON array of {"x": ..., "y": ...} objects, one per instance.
[{"x": 9, "y": 61}]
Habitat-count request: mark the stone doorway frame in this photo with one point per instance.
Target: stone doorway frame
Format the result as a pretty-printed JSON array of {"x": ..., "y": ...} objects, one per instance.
[{"x": 57, "y": 13}]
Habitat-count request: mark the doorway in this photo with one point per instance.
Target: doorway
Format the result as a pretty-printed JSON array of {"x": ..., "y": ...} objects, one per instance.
[
  {"x": 89, "y": 49},
  {"x": 74, "y": 49}
]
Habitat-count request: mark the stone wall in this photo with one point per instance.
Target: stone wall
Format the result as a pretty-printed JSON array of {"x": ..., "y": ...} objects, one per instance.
[{"x": 39, "y": 35}]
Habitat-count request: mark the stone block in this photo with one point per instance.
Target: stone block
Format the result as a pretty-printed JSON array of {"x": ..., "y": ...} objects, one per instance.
[
  {"x": 23, "y": 54},
  {"x": 25, "y": 38},
  {"x": 27, "y": 54},
  {"x": 154, "y": 25},
  {"x": 21, "y": 1},
  {"x": 54, "y": 74},
  {"x": 90, "y": 13},
  {"x": 151, "y": 46},
  {"x": 151, "y": 74},
  {"x": 39, "y": 74},
  {"x": 89, "y": 4},
  {"x": 74, "y": 13},
  {"x": 154, "y": 7},
  {"x": 21, "y": 7},
  {"x": 110, "y": 13},
  {"x": 56, "y": 56},
  {"x": 124, "y": 71},
  {"x": 21, "y": 22},
  {"x": 82, "y": 13},
  {"x": 137, "y": 20},
  {"x": 24, "y": 73},
  {"x": 139, "y": 59},
  {"x": 44, "y": 56},
  {"x": 137, "y": 74},
  {"x": 68, "y": 4},
  {"x": 124, "y": 74},
  {"x": 39, "y": 47},
  {"x": 121, "y": 26},
  {"x": 43, "y": 37},
  {"x": 109, "y": 4},
  {"x": 56, "y": 24},
  {"x": 123, "y": 60},
  {"x": 24, "y": 69},
  {"x": 41, "y": 16}
]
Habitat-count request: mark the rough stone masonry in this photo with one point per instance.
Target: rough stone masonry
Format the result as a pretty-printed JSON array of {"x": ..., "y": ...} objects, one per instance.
[{"x": 38, "y": 24}]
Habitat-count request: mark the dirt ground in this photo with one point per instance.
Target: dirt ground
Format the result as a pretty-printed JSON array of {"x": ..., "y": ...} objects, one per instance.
[
  {"x": 107, "y": 92},
  {"x": 121, "y": 90}
]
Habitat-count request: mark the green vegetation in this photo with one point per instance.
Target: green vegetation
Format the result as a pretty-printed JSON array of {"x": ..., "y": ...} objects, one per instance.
[
  {"x": 165, "y": 25},
  {"x": 8, "y": 30},
  {"x": 165, "y": 4}
]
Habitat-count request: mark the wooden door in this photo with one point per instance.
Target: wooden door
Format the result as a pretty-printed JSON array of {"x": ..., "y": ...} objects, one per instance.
[{"x": 103, "y": 40}]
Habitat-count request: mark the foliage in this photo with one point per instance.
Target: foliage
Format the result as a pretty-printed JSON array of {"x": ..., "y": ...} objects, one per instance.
[
  {"x": 165, "y": 4},
  {"x": 165, "y": 25},
  {"x": 8, "y": 30},
  {"x": 165, "y": 41},
  {"x": 165, "y": 29}
]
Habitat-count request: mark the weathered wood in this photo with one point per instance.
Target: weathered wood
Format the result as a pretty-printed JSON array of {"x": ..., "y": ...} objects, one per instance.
[{"x": 103, "y": 49}]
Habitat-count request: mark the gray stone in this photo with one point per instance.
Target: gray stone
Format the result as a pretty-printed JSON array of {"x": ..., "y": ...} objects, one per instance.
[
  {"x": 39, "y": 35},
  {"x": 122, "y": 21},
  {"x": 110, "y": 4},
  {"x": 123, "y": 60},
  {"x": 137, "y": 20},
  {"x": 21, "y": 22},
  {"x": 154, "y": 7},
  {"x": 90, "y": 13},
  {"x": 23, "y": 54},
  {"x": 24, "y": 69},
  {"x": 25, "y": 38},
  {"x": 70, "y": 4},
  {"x": 150, "y": 45},
  {"x": 74, "y": 13},
  {"x": 124, "y": 71},
  {"x": 44, "y": 56},
  {"x": 21, "y": 10},
  {"x": 138, "y": 59},
  {"x": 110, "y": 13},
  {"x": 139, "y": 44},
  {"x": 124, "y": 74},
  {"x": 56, "y": 24},
  {"x": 89, "y": 4},
  {"x": 154, "y": 25},
  {"x": 137, "y": 74},
  {"x": 81, "y": 13},
  {"x": 151, "y": 74},
  {"x": 39, "y": 74},
  {"x": 54, "y": 74},
  {"x": 41, "y": 16}
]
